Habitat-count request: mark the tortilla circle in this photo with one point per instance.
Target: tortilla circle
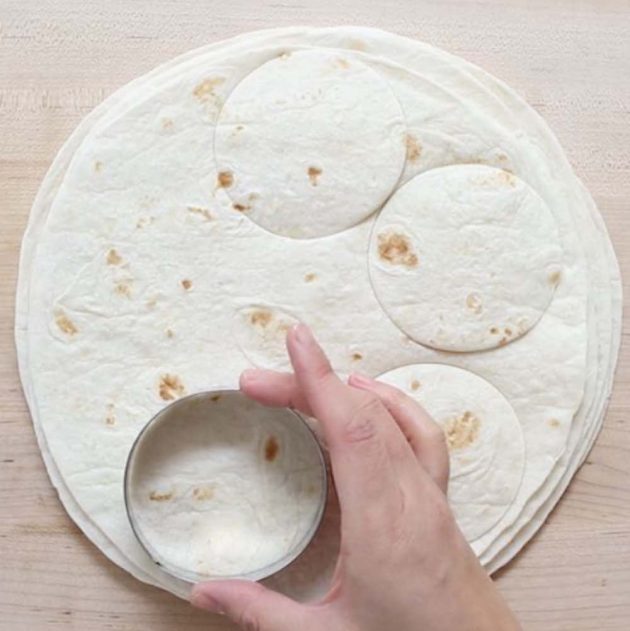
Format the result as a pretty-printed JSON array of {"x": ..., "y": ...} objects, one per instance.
[
  {"x": 218, "y": 486},
  {"x": 310, "y": 143},
  {"x": 484, "y": 437},
  {"x": 465, "y": 258}
]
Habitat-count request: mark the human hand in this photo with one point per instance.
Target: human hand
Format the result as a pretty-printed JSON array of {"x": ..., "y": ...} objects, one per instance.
[{"x": 403, "y": 563}]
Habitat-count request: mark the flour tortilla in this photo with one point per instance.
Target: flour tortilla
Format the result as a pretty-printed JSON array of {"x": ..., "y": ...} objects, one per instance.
[
  {"x": 465, "y": 258},
  {"x": 243, "y": 486},
  {"x": 295, "y": 136},
  {"x": 484, "y": 436},
  {"x": 404, "y": 50}
]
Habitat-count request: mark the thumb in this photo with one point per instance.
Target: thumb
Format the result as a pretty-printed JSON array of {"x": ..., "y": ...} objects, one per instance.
[{"x": 250, "y": 605}]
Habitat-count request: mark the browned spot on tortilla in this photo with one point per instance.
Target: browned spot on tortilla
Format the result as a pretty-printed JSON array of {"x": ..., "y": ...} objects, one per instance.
[
  {"x": 506, "y": 177},
  {"x": 554, "y": 277},
  {"x": 170, "y": 387},
  {"x": 156, "y": 496},
  {"x": 242, "y": 208},
  {"x": 462, "y": 431},
  {"x": 395, "y": 248},
  {"x": 285, "y": 54},
  {"x": 65, "y": 324},
  {"x": 98, "y": 166},
  {"x": 205, "y": 90},
  {"x": 414, "y": 148},
  {"x": 342, "y": 63},
  {"x": 271, "y": 448},
  {"x": 186, "y": 284},
  {"x": 151, "y": 303},
  {"x": 311, "y": 489},
  {"x": 508, "y": 331},
  {"x": 358, "y": 44},
  {"x": 554, "y": 422},
  {"x": 283, "y": 327},
  {"x": 215, "y": 397},
  {"x": 473, "y": 302},
  {"x": 260, "y": 317},
  {"x": 203, "y": 212},
  {"x": 202, "y": 493},
  {"x": 239, "y": 128},
  {"x": 170, "y": 333},
  {"x": 313, "y": 175},
  {"x": 113, "y": 258},
  {"x": 415, "y": 384},
  {"x": 503, "y": 341},
  {"x": 167, "y": 124},
  {"x": 225, "y": 179},
  {"x": 110, "y": 418},
  {"x": 357, "y": 357},
  {"x": 123, "y": 288},
  {"x": 310, "y": 277},
  {"x": 494, "y": 330},
  {"x": 502, "y": 157}
]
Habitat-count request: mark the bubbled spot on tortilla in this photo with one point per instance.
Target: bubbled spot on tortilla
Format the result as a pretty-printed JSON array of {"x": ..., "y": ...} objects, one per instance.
[
  {"x": 395, "y": 248},
  {"x": 113, "y": 258},
  {"x": 203, "y": 212},
  {"x": 170, "y": 387},
  {"x": 462, "y": 431},
  {"x": 204, "y": 91},
  {"x": 413, "y": 148},
  {"x": 261, "y": 317},
  {"x": 123, "y": 288},
  {"x": 225, "y": 179},
  {"x": 65, "y": 324},
  {"x": 110, "y": 417},
  {"x": 204, "y": 493},
  {"x": 272, "y": 448},
  {"x": 313, "y": 175},
  {"x": 554, "y": 277},
  {"x": 474, "y": 303},
  {"x": 156, "y": 496}
]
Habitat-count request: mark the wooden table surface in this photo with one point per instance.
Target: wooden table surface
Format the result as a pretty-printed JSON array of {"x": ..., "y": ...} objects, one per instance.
[{"x": 60, "y": 58}]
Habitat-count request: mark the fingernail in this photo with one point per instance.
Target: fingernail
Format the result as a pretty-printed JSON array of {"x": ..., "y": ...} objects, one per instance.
[
  {"x": 362, "y": 381},
  {"x": 201, "y": 599},
  {"x": 302, "y": 334}
]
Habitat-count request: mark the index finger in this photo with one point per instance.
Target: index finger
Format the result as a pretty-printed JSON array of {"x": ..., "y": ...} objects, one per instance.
[{"x": 369, "y": 454}]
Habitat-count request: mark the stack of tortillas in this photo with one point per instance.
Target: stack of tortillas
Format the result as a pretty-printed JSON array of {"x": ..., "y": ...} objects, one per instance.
[{"x": 409, "y": 207}]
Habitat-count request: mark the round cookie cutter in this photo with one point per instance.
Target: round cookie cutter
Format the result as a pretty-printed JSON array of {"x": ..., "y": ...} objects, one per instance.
[{"x": 177, "y": 408}]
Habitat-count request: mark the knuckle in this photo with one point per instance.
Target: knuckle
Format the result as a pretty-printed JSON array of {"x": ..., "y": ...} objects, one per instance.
[
  {"x": 248, "y": 621},
  {"x": 361, "y": 426}
]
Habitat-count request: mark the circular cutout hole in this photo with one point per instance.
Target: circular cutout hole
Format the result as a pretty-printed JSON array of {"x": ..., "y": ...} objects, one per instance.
[
  {"x": 484, "y": 438},
  {"x": 310, "y": 143},
  {"x": 465, "y": 258},
  {"x": 220, "y": 486}
]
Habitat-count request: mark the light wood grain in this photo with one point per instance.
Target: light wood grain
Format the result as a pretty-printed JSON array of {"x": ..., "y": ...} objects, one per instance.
[{"x": 58, "y": 59}]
